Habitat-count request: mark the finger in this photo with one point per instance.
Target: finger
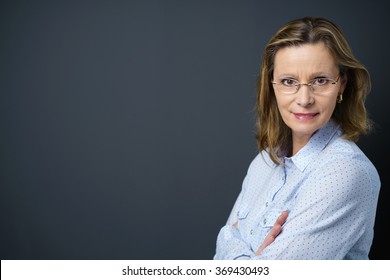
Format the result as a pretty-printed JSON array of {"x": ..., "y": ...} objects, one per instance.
[
  {"x": 274, "y": 232},
  {"x": 277, "y": 227},
  {"x": 271, "y": 236},
  {"x": 266, "y": 242},
  {"x": 282, "y": 218},
  {"x": 279, "y": 222}
]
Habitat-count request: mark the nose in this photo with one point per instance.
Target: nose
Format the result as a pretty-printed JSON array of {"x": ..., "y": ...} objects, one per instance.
[{"x": 303, "y": 96}]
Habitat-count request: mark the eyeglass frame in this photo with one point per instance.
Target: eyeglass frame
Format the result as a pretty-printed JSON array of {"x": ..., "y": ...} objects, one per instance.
[{"x": 310, "y": 85}]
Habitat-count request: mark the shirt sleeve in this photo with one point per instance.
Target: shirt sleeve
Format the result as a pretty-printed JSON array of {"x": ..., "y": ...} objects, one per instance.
[
  {"x": 332, "y": 213},
  {"x": 230, "y": 245}
]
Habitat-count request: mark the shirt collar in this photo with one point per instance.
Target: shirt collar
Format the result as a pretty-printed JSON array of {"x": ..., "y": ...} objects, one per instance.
[{"x": 316, "y": 144}]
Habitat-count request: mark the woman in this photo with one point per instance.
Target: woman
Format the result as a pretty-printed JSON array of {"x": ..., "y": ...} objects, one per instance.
[{"x": 309, "y": 172}]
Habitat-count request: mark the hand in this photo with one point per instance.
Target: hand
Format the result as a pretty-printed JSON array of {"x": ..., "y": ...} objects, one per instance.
[{"x": 275, "y": 231}]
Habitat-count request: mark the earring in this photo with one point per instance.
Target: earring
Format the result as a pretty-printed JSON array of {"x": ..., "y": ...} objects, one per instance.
[{"x": 340, "y": 97}]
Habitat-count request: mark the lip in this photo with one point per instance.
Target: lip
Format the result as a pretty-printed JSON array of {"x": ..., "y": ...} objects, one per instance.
[{"x": 305, "y": 116}]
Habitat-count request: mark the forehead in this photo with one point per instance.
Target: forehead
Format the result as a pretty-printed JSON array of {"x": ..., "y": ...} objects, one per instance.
[{"x": 304, "y": 59}]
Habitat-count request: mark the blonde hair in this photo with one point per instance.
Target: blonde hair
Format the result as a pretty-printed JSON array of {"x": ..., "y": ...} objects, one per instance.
[{"x": 272, "y": 133}]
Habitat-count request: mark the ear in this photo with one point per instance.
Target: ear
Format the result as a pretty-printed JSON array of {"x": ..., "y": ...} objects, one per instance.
[{"x": 343, "y": 83}]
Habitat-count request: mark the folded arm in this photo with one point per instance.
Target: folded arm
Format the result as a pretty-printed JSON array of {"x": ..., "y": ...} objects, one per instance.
[{"x": 326, "y": 222}]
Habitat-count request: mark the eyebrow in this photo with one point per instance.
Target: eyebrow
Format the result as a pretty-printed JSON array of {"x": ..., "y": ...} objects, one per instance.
[{"x": 316, "y": 74}]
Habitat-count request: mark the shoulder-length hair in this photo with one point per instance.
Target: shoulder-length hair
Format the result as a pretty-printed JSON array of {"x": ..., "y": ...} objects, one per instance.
[{"x": 272, "y": 133}]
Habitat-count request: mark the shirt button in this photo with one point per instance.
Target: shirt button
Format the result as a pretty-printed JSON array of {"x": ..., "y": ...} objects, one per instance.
[
  {"x": 251, "y": 232},
  {"x": 265, "y": 221},
  {"x": 266, "y": 204}
]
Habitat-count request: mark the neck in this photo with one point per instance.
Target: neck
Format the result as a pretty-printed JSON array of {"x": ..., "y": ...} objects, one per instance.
[{"x": 298, "y": 143}]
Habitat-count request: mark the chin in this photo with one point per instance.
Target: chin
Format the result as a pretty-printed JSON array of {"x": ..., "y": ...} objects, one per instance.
[{"x": 306, "y": 128}]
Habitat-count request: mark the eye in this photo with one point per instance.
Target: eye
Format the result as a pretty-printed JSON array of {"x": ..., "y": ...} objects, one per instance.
[
  {"x": 320, "y": 81},
  {"x": 289, "y": 82}
]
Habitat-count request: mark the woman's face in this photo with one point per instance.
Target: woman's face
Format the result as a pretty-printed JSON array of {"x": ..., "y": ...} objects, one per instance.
[{"x": 304, "y": 111}]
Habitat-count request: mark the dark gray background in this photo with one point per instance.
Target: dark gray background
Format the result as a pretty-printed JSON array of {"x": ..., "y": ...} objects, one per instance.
[{"x": 127, "y": 126}]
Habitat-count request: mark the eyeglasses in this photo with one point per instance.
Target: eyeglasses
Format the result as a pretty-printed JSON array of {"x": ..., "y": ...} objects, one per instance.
[{"x": 320, "y": 85}]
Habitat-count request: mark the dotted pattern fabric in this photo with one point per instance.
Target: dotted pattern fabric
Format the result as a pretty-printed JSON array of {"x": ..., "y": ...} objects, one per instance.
[{"x": 330, "y": 189}]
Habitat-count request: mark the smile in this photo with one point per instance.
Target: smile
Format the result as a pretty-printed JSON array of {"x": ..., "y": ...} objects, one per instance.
[{"x": 305, "y": 117}]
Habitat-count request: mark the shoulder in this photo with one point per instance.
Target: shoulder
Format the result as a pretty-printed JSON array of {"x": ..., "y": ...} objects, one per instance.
[
  {"x": 342, "y": 163},
  {"x": 260, "y": 168},
  {"x": 262, "y": 161},
  {"x": 345, "y": 154}
]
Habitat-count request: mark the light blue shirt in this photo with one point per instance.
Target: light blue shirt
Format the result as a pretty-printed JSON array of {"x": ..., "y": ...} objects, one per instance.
[{"x": 330, "y": 189}]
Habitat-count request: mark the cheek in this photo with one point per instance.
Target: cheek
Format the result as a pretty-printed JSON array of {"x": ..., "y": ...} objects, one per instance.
[
  {"x": 332, "y": 103},
  {"x": 282, "y": 104}
]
